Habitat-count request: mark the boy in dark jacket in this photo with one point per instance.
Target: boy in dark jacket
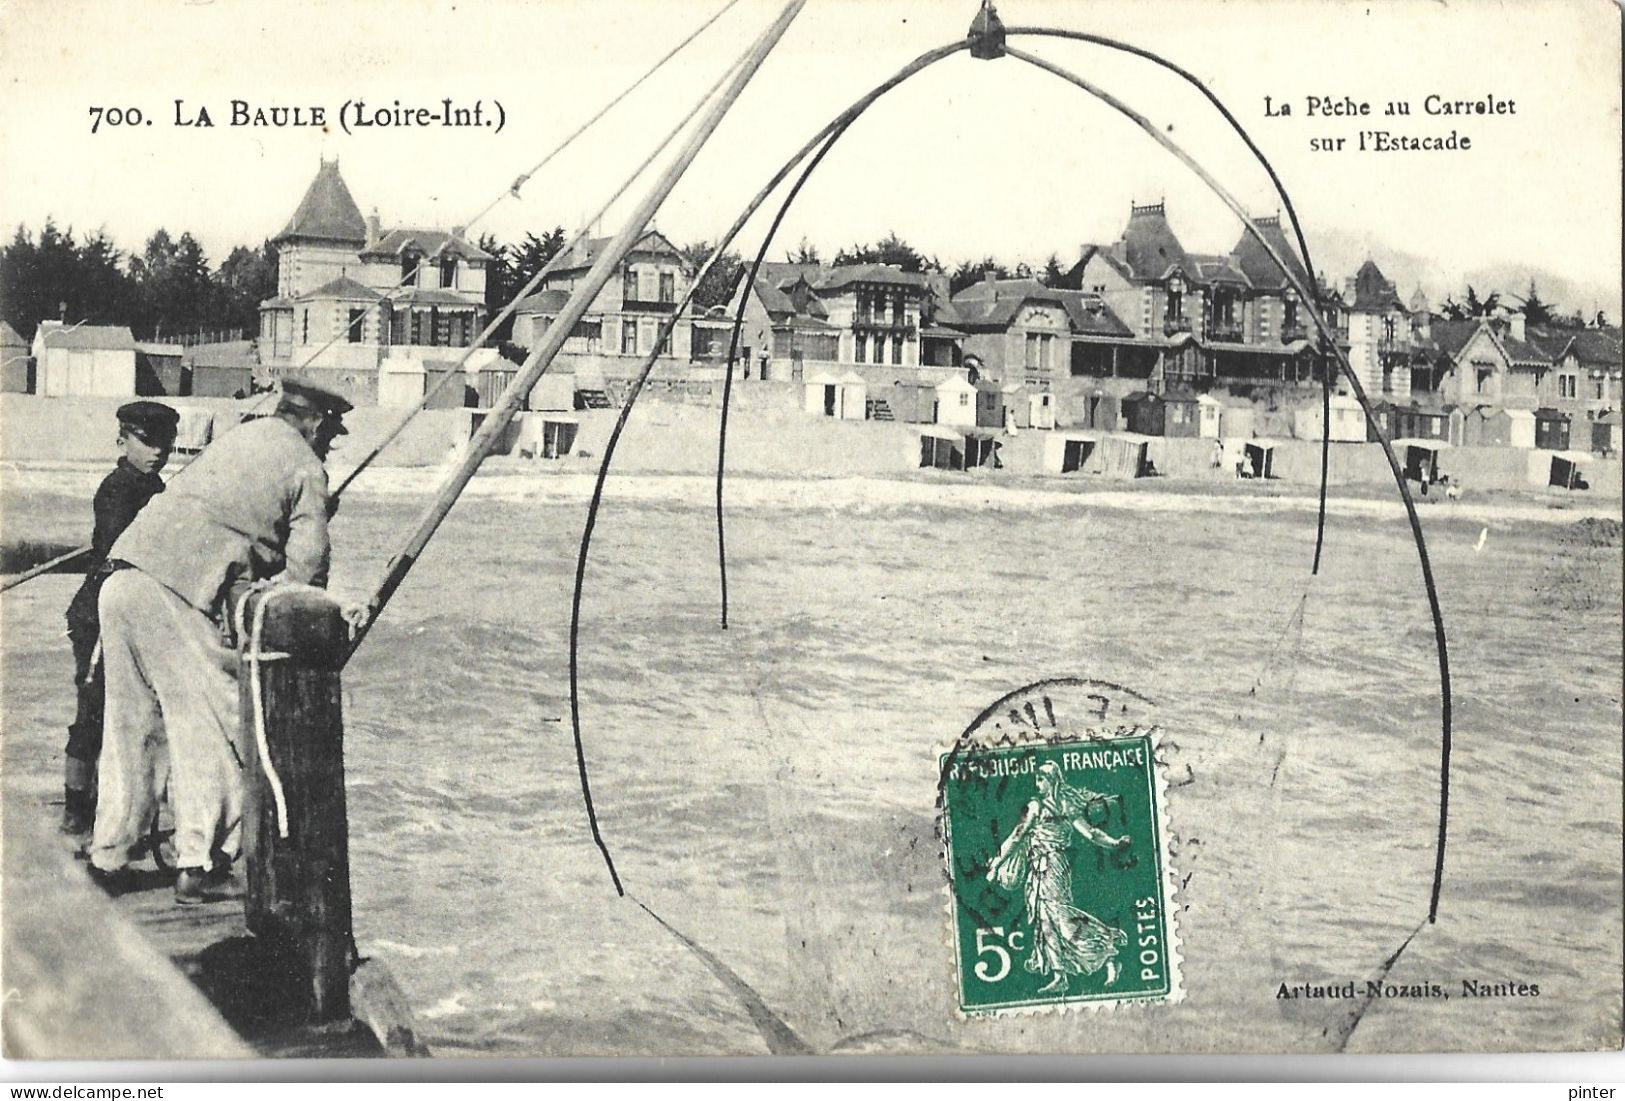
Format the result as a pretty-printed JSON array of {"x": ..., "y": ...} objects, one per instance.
[{"x": 146, "y": 434}]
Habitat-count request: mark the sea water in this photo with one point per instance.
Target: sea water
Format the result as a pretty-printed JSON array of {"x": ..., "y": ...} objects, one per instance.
[{"x": 768, "y": 792}]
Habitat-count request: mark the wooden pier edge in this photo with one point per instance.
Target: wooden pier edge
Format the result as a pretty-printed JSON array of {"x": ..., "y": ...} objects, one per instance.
[{"x": 296, "y": 852}]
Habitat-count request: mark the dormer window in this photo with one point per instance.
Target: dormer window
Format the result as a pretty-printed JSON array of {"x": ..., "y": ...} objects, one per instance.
[
  {"x": 629, "y": 285},
  {"x": 409, "y": 265},
  {"x": 1176, "y": 298},
  {"x": 448, "y": 271}
]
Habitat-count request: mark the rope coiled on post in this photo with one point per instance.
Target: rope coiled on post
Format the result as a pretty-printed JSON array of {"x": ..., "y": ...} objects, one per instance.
[{"x": 253, "y": 656}]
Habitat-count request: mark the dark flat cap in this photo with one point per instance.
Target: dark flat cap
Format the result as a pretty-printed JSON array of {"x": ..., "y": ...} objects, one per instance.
[
  {"x": 314, "y": 397},
  {"x": 151, "y": 421}
]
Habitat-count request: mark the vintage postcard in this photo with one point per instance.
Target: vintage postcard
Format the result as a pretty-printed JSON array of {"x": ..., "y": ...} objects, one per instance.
[{"x": 796, "y": 527}]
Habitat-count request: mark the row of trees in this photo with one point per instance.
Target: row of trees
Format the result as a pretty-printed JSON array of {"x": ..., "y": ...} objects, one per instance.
[{"x": 166, "y": 289}]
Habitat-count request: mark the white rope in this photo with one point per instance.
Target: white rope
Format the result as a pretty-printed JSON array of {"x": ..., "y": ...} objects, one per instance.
[{"x": 254, "y": 656}]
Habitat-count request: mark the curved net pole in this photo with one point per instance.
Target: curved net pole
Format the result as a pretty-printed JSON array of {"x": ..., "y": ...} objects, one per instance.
[
  {"x": 1286, "y": 204},
  {"x": 827, "y": 136},
  {"x": 1359, "y": 392}
]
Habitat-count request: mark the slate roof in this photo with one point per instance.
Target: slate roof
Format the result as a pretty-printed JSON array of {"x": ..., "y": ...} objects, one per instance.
[
  {"x": 327, "y": 212},
  {"x": 1592, "y": 347},
  {"x": 430, "y": 242},
  {"x": 586, "y": 251},
  {"x": 546, "y": 302},
  {"x": 10, "y": 338},
  {"x": 342, "y": 287},
  {"x": 1148, "y": 246},
  {"x": 1374, "y": 291},
  {"x": 834, "y": 279},
  {"x": 1249, "y": 256},
  {"x": 995, "y": 303},
  {"x": 1449, "y": 336},
  {"x": 106, "y": 338},
  {"x": 434, "y": 296},
  {"x": 1215, "y": 269}
]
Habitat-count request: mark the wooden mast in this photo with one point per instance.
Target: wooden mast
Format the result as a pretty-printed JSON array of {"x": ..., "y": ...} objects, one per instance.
[{"x": 539, "y": 360}]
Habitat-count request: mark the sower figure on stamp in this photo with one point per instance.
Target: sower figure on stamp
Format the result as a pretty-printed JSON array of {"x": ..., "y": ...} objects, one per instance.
[
  {"x": 146, "y": 434},
  {"x": 1034, "y": 859},
  {"x": 252, "y": 507}
]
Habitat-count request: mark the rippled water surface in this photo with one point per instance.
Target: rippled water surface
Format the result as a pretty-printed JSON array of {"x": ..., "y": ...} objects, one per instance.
[{"x": 768, "y": 791}]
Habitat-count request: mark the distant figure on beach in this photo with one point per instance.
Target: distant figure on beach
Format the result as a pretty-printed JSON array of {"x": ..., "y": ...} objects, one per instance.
[
  {"x": 1035, "y": 860},
  {"x": 253, "y": 506},
  {"x": 146, "y": 435},
  {"x": 1218, "y": 454}
]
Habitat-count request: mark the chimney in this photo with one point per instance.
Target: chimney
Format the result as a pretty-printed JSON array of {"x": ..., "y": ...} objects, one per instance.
[
  {"x": 62, "y": 311},
  {"x": 1515, "y": 322},
  {"x": 375, "y": 229}
]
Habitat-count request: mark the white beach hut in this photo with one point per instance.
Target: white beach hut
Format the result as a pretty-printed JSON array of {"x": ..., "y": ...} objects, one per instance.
[
  {"x": 1348, "y": 421},
  {"x": 1208, "y": 410},
  {"x": 823, "y": 395},
  {"x": 956, "y": 402},
  {"x": 401, "y": 382},
  {"x": 854, "y": 397}
]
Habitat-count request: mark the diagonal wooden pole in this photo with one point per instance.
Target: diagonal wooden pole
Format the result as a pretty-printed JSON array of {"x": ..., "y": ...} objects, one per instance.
[{"x": 496, "y": 423}]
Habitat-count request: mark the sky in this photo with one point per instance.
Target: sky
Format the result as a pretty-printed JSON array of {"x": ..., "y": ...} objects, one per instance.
[{"x": 966, "y": 159}]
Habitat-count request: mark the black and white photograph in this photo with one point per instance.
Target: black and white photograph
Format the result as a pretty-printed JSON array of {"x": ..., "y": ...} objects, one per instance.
[{"x": 810, "y": 528}]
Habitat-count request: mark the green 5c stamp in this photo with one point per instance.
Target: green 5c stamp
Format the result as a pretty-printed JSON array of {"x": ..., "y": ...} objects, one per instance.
[{"x": 1056, "y": 840}]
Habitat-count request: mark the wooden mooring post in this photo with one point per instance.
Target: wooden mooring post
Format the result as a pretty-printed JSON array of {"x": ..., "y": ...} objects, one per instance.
[{"x": 298, "y": 897}]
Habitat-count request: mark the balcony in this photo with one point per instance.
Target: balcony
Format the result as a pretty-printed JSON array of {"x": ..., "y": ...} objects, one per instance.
[
  {"x": 1294, "y": 332},
  {"x": 1172, "y": 325},
  {"x": 1228, "y": 332},
  {"x": 641, "y": 306},
  {"x": 889, "y": 324}
]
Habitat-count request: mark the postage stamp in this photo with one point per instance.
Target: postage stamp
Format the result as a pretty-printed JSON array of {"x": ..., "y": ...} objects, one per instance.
[{"x": 1055, "y": 835}]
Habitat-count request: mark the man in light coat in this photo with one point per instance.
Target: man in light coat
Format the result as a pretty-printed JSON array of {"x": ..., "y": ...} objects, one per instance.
[{"x": 253, "y": 505}]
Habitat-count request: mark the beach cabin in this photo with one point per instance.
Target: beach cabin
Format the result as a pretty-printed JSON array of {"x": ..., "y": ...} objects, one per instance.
[
  {"x": 84, "y": 360},
  {"x": 840, "y": 398},
  {"x": 159, "y": 373},
  {"x": 1422, "y": 424},
  {"x": 401, "y": 382},
  {"x": 823, "y": 395},
  {"x": 552, "y": 393},
  {"x": 1239, "y": 421},
  {"x": 1381, "y": 420},
  {"x": 1348, "y": 421},
  {"x": 1565, "y": 471},
  {"x": 1041, "y": 410},
  {"x": 1551, "y": 429},
  {"x": 941, "y": 449},
  {"x": 1419, "y": 459},
  {"x": 854, "y": 397},
  {"x": 489, "y": 383},
  {"x": 1013, "y": 407},
  {"x": 546, "y": 436},
  {"x": 16, "y": 365},
  {"x": 1180, "y": 416},
  {"x": 195, "y": 429},
  {"x": 1209, "y": 411},
  {"x": 1123, "y": 456},
  {"x": 1068, "y": 452},
  {"x": 1258, "y": 459},
  {"x": 956, "y": 402},
  {"x": 1099, "y": 410},
  {"x": 982, "y": 449},
  {"x": 1492, "y": 426},
  {"x": 912, "y": 402},
  {"x": 1605, "y": 434},
  {"x": 1143, "y": 413}
]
